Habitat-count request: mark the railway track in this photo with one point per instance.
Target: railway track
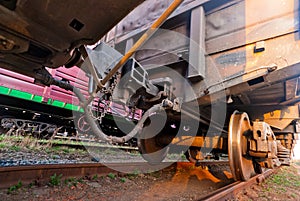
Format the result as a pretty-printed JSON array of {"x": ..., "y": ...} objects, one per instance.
[
  {"x": 228, "y": 192},
  {"x": 42, "y": 173}
]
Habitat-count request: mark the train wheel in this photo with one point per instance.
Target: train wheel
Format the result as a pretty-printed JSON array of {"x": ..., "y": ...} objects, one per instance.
[
  {"x": 241, "y": 164},
  {"x": 82, "y": 125},
  {"x": 152, "y": 151},
  {"x": 3, "y": 120}
]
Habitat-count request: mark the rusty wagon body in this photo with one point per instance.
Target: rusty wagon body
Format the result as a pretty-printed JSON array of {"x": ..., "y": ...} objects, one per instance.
[{"x": 225, "y": 73}]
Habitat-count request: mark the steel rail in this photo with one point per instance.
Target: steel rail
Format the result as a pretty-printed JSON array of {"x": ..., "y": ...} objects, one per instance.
[
  {"x": 42, "y": 173},
  {"x": 229, "y": 192},
  {"x": 94, "y": 145}
]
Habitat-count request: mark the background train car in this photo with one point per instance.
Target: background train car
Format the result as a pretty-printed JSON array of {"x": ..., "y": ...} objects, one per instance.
[
  {"x": 51, "y": 106},
  {"x": 28, "y": 107}
]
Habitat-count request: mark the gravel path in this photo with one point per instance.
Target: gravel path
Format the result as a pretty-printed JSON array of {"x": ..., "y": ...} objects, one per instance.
[
  {"x": 37, "y": 157},
  {"x": 65, "y": 155},
  {"x": 16, "y": 151}
]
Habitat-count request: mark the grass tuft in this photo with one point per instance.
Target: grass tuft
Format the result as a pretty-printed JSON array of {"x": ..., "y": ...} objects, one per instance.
[
  {"x": 14, "y": 187},
  {"x": 55, "y": 180},
  {"x": 111, "y": 175}
]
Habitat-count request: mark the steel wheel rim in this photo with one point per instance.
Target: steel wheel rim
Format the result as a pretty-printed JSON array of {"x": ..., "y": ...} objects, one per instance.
[
  {"x": 153, "y": 152},
  {"x": 241, "y": 167}
]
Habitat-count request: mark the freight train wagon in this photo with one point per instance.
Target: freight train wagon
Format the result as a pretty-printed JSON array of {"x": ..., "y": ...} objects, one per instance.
[
  {"x": 217, "y": 77},
  {"x": 241, "y": 59}
]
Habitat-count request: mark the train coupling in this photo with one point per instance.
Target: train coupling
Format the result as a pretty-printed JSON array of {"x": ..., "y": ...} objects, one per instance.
[
  {"x": 174, "y": 105},
  {"x": 130, "y": 85}
]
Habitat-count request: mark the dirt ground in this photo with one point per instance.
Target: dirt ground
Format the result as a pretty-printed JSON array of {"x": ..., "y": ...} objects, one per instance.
[
  {"x": 185, "y": 182},
  {"x": 285, "y": 185}
]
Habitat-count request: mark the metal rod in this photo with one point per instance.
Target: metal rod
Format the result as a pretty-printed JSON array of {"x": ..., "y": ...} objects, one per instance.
[
  {"x": 270, "y": 68},
  {"x": 143, "y": 39},
  {"x": 216, "y": 126}
]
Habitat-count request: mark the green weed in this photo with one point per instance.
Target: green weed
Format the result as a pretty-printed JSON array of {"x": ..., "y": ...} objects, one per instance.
[
  {"x": 297, "y": 183},
  {"x": 111, "y": 175},
  {"x": 2, "y": 145},
  {"x": 134, "y": 174},
  {"x": 15, "y": 148},
  {"x": 55, "y": 180},
  {"x": 72, "y": 181},
  {"x": 31, "y": 185},
  {"x": 14, "y": 187},
  {"x": 95, "y": 177}
]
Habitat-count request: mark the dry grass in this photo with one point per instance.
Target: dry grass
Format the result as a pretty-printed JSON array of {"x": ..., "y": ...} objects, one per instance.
[
  {"x": 16, "y": 143},
  {"x": 7, "y": 141},
  {"x": 30, "y": 143}
]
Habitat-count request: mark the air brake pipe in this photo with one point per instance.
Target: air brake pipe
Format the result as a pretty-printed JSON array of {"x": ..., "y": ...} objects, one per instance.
[
  {"x": 113, "y": 139},
  {"x": 89, "y": 117},
  {"x": 142, "y": 40}
]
